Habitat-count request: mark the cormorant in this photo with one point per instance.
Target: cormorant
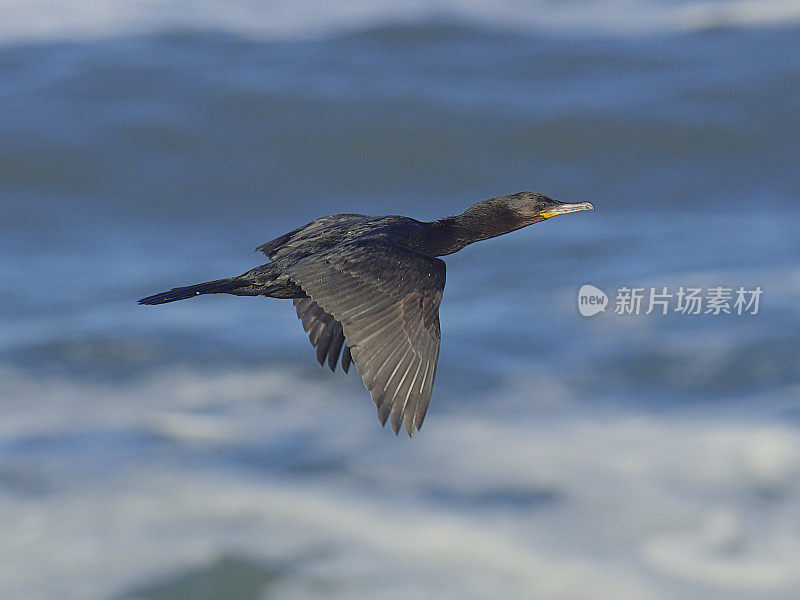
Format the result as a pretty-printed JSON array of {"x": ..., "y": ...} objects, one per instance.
[{"x": 370, "y": 287}]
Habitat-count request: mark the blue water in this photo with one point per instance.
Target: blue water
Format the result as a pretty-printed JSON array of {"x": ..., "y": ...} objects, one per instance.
[{"x": 146, "y": 449}]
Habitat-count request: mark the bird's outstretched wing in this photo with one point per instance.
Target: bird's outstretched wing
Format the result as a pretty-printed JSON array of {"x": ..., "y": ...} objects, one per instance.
[{"x": 386, "y": 298}]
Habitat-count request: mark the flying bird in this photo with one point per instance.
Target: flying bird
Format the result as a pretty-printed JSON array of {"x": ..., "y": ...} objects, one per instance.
[{"x": 368, "y": 289}]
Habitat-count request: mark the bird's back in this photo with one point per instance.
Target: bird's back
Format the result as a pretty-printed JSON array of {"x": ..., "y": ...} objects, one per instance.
[{"x": 325, "y": 233}]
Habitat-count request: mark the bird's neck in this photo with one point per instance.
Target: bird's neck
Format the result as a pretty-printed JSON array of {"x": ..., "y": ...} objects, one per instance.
[{"x": 451, "y": 234}]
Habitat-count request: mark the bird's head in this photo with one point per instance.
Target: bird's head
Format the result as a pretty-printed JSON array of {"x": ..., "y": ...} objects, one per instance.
[
  {"x": 521, "y": 209},
  {"x": 530, "y": 207}
]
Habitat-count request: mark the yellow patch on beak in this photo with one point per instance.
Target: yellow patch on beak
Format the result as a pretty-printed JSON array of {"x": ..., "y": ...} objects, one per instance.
[{"x": 566, "y": 208}]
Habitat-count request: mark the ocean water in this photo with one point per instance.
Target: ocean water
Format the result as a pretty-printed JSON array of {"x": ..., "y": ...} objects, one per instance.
[{"x": 196, "y": 450}]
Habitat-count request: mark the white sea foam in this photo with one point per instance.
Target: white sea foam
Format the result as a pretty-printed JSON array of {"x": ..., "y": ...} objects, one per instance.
[
  {"x": 545, "y": 502},
  {"x": 53, "y": 19}
]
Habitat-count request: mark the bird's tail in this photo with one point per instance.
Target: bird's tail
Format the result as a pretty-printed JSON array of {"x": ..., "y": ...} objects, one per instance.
[{"x": 190, "y": 291}]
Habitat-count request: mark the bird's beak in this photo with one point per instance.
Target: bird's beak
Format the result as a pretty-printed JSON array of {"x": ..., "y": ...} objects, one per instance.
[{"x": 564, "y": 208}]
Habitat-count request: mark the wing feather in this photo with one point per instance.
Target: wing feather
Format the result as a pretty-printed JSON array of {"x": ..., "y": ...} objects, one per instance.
[
  {"x": 337, "y": 340},
  {"x": 401, "y": 397},
  {"x": 324, "y": 332},
  {"x": 347, "y": 358}
]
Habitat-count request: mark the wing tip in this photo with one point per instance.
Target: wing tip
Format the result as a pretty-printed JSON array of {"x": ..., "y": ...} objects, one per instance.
[{"x": 409, "y": 425}]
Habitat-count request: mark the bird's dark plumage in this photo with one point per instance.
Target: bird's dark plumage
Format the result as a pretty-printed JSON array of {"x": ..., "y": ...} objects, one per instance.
[{"x": 368, "y": 289}]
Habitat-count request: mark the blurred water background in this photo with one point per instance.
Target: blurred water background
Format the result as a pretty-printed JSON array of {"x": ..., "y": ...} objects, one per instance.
[{"x": 196, "y": 450}]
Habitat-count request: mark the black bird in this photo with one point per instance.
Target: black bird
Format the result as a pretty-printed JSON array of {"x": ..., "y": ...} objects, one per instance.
[{"x": 370, "y": 287}]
